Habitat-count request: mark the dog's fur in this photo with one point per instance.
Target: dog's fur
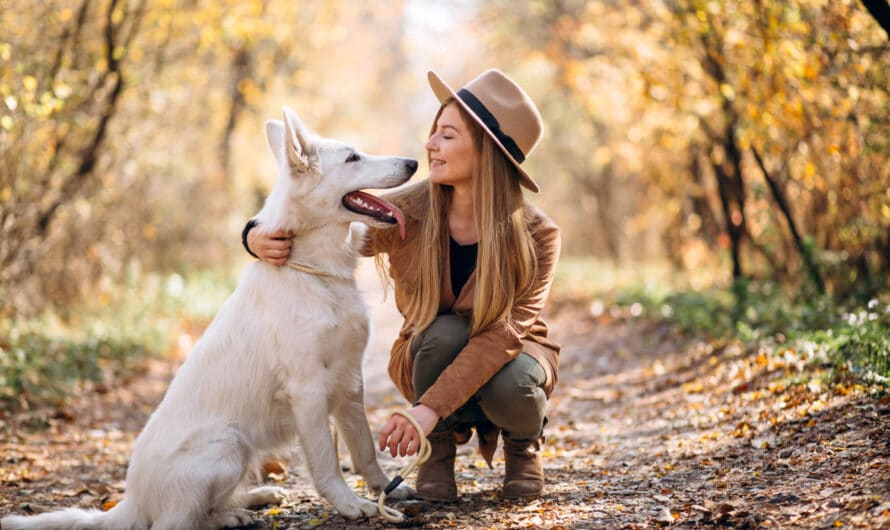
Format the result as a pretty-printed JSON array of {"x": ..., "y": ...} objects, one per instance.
[{"x": 283, "y": 354}]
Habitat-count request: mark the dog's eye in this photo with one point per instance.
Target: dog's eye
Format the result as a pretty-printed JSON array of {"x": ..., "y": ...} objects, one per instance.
[{"x": 353, "y": 157}]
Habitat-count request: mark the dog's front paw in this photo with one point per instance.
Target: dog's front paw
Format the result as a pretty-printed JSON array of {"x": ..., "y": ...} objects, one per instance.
[{"x": 357, "y": 510}]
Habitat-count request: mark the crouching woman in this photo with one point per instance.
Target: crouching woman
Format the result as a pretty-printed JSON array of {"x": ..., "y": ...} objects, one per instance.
[{"x": 471, "y": 277}]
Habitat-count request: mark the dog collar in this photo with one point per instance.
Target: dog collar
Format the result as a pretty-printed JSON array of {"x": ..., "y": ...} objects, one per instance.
[{"x": 312, "y": 270}]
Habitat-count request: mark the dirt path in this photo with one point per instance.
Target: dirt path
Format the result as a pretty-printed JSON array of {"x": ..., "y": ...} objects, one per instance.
[{"x": 647, "y": 429}]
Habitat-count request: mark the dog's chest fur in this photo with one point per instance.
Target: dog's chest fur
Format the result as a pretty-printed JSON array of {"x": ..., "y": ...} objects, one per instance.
[{"x": 285, "y": 341}]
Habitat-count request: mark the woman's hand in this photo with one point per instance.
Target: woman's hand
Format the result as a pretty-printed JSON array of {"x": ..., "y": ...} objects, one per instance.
[
  {"x": 273, "y": 248},
  {"x": 399, "y": 434}
]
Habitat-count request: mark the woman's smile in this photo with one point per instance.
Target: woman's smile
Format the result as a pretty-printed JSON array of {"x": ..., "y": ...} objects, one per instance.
[{"x": 450, "y": 149}]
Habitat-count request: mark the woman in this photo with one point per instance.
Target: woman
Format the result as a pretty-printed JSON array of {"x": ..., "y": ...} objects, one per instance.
[{"x": 471, "y": 278}]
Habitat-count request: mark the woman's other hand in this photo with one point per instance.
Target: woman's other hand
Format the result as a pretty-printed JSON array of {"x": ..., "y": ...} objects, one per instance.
[
  {"x": 400, "y": 435},
  {"x": 273, "y": 248}
]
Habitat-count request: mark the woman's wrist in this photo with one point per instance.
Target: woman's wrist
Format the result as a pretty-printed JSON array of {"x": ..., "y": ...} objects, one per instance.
[{"x": 244, "y": 233}]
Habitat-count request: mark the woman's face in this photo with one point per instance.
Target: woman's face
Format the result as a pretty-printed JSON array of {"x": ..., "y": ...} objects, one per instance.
[{"x": 450, "y": 149}]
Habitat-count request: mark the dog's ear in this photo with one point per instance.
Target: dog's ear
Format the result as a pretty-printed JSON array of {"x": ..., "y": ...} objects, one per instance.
[
  {"x": 297, "y": 144},
  {"x": 275, "y": 137}
]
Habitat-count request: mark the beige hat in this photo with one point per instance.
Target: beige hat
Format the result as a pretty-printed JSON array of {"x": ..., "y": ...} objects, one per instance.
[{"x": 503, "y": 110}]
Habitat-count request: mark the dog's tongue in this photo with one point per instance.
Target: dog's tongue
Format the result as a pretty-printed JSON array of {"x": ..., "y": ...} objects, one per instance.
[{"x": 380, "y": 205}]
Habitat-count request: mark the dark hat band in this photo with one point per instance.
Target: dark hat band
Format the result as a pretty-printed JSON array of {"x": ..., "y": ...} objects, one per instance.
[{"x": 491, "y": 122}]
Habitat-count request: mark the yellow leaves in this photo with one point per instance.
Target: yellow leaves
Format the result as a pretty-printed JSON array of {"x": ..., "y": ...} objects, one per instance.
[
  {"x": 118, "y": 14},
  {"x": 5, "y": 51},
  {"x": 728, "y": 91},
  {"x": 318, "y": 521},
  {"x": 550, "y": 453},
  {"x": 65, "y": 14},
  {"x": 817, "y": 406},
  {"x": 710, "y": 436},
  {"x": 743, "y": 430},
  {"x": 695, "y": 387},
  {"x": 250, "y": 90},
  {"x": 30, "y": 83},
  {"x": 273, "y": 511},
  {"x": 810, "y": 72},
  {"x": 61, "y": 90}
]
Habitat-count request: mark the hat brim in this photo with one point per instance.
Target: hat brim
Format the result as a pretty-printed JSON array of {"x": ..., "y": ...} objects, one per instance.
[{"x": 444, "y": 92}]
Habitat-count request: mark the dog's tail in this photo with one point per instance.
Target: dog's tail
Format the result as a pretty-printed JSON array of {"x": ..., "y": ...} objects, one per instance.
[{"x": 121, "y": 516}]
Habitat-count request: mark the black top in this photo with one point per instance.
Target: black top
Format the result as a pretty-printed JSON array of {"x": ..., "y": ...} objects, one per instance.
[{"x": 463, "y": 261}]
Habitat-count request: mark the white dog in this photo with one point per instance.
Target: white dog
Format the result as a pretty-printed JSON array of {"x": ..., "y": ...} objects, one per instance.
[{"x": 283, "y": 354}]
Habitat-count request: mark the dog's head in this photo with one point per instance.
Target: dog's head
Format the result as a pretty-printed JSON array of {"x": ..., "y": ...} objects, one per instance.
[{"x": 330, "y": 175}]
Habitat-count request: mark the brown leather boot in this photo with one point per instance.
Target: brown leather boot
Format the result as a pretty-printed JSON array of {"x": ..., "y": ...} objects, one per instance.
[
  {"x": 435, "y": 477},
  {"x": 524, "y": 476}
]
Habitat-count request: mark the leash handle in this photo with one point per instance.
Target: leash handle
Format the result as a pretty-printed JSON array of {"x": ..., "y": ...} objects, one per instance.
[
  {"x": 423, "y": 453},
  {"x": 393, "y": 484}
]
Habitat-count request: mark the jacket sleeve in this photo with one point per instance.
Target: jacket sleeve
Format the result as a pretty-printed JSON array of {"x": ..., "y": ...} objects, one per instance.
[{"x": 487, "y": 352}]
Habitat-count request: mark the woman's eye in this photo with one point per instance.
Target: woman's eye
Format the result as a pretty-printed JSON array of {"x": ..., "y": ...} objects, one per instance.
[
  {"x": 353, "y": 157},
  {"x": 447, "y": 137}
]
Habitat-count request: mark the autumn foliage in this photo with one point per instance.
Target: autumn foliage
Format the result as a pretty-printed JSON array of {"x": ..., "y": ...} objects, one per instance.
[
  {"x": 751, "y": 137},
  {"x": 756, "y": 131}
]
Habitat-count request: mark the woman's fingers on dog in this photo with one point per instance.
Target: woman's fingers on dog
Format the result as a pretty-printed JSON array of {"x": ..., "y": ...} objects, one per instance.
[
  {"x": 279, "y": 244},
  {"x": 281, "y": 234}
]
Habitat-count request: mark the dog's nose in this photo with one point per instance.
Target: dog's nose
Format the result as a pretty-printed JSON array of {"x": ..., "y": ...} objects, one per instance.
[{"x": 412, "y": 166}]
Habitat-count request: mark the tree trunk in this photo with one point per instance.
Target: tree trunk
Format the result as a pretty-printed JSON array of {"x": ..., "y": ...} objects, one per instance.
[{"x": 779, "y": 197}]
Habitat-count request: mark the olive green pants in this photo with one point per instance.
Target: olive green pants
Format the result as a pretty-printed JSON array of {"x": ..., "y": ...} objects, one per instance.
[{"x": 513, "y": 399}]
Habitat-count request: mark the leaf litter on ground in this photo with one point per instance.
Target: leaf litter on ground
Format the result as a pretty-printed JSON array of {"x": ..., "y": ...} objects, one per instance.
[{"x": 647, "y": 428}]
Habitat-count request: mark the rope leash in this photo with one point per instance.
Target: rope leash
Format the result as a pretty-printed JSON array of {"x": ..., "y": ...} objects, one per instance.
[{"x": 423, "y": 453}]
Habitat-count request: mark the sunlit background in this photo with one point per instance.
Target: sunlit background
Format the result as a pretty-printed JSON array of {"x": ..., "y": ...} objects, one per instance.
[{"x": 691, "y": 143}]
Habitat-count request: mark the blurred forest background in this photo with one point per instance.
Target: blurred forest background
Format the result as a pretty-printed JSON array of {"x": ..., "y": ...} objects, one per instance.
[{"x": 733, "y": 148}]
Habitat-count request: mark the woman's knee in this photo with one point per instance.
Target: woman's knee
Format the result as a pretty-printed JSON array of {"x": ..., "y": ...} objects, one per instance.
[{"x": 514, "y": 398}]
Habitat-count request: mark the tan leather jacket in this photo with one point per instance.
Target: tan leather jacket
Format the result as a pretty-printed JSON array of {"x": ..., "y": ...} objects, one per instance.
[{"x": 486, "y": 352}]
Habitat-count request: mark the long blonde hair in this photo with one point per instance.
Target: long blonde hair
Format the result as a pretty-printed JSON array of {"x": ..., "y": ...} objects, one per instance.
[{"x": 506, "y": 262}]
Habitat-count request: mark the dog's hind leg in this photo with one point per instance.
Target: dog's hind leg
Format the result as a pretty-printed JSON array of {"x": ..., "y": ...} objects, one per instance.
[
  {"x": 262, "y": 496},
  {"x": 204, "y": 475},
  {"x": 321, "y": 459}
]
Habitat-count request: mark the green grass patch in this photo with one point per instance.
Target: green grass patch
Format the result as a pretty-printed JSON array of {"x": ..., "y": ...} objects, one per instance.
[
  {"x": 852, "y": 334},
  {"x": 44, "y": 359}
]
